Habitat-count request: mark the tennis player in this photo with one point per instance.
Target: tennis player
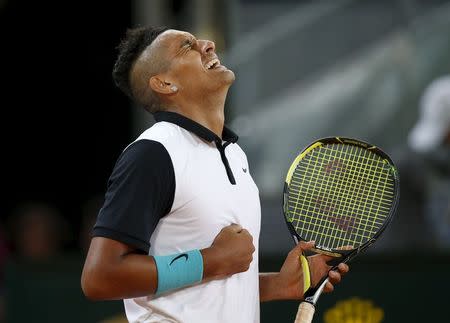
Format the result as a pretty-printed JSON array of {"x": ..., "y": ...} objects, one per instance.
[{"x": 177, "y": 236}]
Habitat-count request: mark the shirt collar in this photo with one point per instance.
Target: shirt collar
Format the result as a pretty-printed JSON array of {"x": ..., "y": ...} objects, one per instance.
[{"x": 194, "y": 127}]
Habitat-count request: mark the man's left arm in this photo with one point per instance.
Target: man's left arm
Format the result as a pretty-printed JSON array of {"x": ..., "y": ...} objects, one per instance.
[{"x": 288, "y": 283}]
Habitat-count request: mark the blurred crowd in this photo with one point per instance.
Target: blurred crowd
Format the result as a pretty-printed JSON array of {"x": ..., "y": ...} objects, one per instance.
[{"x": 37, "y": 232}]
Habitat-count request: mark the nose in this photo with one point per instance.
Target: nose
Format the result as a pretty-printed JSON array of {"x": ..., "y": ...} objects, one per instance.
[{"x": 207, "y": 46}]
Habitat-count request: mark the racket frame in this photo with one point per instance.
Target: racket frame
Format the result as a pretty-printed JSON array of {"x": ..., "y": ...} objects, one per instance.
[{"x": 341, "y": 256}]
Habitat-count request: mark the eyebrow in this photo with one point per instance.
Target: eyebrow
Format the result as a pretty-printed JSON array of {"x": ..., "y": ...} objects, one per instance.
[{"x": 187, "y": 41}]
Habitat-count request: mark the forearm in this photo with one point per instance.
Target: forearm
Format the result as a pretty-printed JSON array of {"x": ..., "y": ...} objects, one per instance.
[
  {"x": 110, "y": 275},
  {"x": 269, "y": 289},
  {"x": 114, "y": 270},
  {"x": 283, "y": 285}
]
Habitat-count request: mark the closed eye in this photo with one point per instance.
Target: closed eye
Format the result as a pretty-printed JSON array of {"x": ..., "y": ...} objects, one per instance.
[{"x": 188, "y": 43}]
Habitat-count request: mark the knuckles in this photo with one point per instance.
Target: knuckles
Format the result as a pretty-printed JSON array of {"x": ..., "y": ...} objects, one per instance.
[{"x": 335, "y": 277}]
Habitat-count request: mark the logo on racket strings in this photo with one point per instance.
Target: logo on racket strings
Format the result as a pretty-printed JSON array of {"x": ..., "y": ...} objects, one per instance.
[{"x": 329, "y": 209}]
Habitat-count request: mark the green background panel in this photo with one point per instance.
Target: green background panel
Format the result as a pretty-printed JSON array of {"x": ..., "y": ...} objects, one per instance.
[{"x": 408, "y": 288}]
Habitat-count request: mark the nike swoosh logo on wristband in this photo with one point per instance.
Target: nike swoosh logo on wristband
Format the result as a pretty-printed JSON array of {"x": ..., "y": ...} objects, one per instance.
[{"x": 185, "y": 255}]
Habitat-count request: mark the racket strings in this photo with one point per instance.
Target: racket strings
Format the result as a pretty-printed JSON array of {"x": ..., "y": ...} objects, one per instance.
[
  {"x": 344, "y": 204},
  {"x": 340, "y": 195},
  {"x": 339, "y": 202}
]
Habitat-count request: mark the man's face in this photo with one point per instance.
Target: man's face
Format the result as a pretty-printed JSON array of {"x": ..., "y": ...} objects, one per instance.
[{"x": 194, "y": 66}]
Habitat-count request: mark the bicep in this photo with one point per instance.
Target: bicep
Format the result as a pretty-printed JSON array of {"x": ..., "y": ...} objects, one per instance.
[
  {"x": 105, "y": 250},
  {"x": 103, "y": 255}
]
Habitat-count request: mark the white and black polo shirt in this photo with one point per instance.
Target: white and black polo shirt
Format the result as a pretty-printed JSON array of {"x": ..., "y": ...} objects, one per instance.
[{"x": 173, "y": 190}]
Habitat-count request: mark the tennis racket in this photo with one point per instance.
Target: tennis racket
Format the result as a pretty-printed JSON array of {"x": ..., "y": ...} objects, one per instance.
[{"x": 341, "y": 193}]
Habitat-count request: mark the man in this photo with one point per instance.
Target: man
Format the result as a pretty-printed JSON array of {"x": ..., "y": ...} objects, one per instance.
[
  {"x": 177, "y": 237},
  {"x": 425, "y": 170}
]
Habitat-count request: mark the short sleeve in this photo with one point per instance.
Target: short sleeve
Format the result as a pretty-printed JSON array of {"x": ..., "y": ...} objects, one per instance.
[{"x": 140, "y": 192}]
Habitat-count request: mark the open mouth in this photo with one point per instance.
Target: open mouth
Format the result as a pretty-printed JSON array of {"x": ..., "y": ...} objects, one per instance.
[{"x": 212, "y": 64}]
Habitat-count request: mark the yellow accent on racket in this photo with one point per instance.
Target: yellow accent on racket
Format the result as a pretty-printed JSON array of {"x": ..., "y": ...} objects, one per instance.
[{"x": 306, "y": 273}]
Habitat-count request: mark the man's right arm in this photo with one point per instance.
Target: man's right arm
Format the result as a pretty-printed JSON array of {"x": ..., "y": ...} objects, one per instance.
[
  {"x": 140, "y": 192},
  {"x": 114, "y": 270}
]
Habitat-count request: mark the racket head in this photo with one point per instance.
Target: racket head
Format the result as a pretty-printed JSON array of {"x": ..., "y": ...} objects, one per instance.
[{"x": 342, "y": 193}]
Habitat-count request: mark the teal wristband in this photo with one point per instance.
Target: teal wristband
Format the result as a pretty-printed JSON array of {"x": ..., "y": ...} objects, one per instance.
[{"x": 178, "y": 270}]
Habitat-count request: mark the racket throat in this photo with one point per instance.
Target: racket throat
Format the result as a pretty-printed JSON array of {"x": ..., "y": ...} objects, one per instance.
[{"x": 313, "y": 294}]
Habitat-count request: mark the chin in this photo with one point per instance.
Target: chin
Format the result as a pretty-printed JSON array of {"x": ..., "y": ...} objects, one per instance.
[
  {"x": 229, "y": 77},
  {"x": 224, "y": 79}
]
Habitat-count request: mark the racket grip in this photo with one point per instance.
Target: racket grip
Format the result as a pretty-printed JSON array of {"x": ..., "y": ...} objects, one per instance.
[{"x": 305, "y": 313}]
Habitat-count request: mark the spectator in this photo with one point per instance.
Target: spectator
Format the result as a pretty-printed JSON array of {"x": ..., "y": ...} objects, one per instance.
[
  {"x": 430, "y": 138},
  {"x": 432, "y": 130},
  {"x": 38, "y": 231},
  {"x": 425, "y": 173}
]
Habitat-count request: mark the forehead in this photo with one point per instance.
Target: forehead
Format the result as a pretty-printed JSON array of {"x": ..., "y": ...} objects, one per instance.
[
  {"x": 167, "y": 45},
  {"x": 172, "y": 38}
]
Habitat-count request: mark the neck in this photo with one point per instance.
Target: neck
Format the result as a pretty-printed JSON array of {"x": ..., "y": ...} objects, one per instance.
[{"x": 209, "y": 111}]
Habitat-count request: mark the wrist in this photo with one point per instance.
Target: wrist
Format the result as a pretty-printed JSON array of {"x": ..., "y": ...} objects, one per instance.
[
  {"x": 210, "y": 263},
  {"x": 271, "y": 287},
  {"x": 178, "y": 270}
]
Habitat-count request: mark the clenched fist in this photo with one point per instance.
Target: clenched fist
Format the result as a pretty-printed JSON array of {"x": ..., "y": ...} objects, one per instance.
[{"x": 231, "y": 252}]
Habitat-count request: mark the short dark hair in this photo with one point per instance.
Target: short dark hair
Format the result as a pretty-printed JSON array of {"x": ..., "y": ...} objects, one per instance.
[{"x": 130, "y": 48}]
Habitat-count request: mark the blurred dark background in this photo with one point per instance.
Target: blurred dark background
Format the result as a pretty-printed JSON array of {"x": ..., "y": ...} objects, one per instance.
[{"x": 373, "y": 70}]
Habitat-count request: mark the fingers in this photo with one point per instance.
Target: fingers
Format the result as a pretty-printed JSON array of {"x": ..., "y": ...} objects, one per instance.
[
  {"x": 234, "y": 228},
  {"x": 247, "y": 234},
  {"x": 238, "y": 230},
  {"x": 334, "y": 259},
  {"x": 334, "y": 277},
  {"x": 346, "y": 247},
  {"x": 343, "y": 268},
  {"x": 234, "y": 248},
  {"x": 302, "y": 247},
  {"x": 328, "y": 288}
]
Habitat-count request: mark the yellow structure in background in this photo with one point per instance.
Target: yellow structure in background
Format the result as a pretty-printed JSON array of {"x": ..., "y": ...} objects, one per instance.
[
  {"x": 354, "y": 310},
  {"x": 120, "y": 318}
]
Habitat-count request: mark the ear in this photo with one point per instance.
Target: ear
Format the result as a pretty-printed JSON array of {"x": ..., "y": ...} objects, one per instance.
[{"x": 160, "y": 85}]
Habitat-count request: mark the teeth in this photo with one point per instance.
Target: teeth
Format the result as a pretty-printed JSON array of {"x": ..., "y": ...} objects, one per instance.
[{"x": 211, "y": 63}]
